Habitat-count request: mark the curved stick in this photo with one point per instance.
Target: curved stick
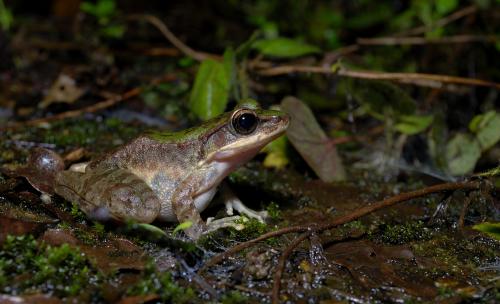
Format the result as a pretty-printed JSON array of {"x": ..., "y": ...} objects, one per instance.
[{"x": 471, "y": 185}]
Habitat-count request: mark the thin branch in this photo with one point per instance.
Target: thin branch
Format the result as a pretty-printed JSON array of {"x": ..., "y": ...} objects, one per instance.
[
  {"x": 420, "y": 79},
  {"x": 282, "y": 265},
  {"x": 333, "y": 56},
  {"x": 466, "y": 11},
  {"x": 162, "y": 27},
  {"x": 359, "y": 138},
  {"x": 90, "y": 109},
  {"x": 424, "y": 40},
  {"x": 344, "y": 219}
]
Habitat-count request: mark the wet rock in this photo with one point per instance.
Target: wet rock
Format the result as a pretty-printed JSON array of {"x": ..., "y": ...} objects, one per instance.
[{"x": 258, "y": 263}]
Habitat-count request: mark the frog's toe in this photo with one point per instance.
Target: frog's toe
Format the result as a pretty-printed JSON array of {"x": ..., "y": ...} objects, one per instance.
[
  {"x": 232, "y": 221},
  {"x": 261, "y": 216}
]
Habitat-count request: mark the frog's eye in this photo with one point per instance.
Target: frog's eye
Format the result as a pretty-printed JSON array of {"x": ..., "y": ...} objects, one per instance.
[{"x": 244, "y": 121}]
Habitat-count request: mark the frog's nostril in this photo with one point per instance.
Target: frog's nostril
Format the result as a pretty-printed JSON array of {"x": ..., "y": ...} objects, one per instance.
[{"x": 281, "y": 119}]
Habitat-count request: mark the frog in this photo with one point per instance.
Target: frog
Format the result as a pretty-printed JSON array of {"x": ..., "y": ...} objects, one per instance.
[{"x": 173, "y": 176}]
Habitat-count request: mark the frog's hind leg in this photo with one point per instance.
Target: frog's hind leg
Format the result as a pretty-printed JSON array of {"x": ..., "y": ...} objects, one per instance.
[{"x": 105, "y": 194}]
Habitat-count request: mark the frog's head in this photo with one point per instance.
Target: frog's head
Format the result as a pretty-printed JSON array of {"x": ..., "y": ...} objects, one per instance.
[{"x": 236, "y": 136}]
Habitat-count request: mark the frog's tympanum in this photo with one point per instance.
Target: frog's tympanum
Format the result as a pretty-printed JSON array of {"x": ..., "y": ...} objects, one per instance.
[{"x": 172, "y": 176}]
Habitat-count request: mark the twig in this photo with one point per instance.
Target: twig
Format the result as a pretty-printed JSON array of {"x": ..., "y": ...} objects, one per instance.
[
  {"x": 90, "y": 109},
  {"x": 332, "y": 57},
  {"x": 361, "y": 138},
  {"x": 424, "y": 40},
  {"x": 468, "y": 10},
  {"x": 420, "y": 79},
  {"x": 346, "y": 218},
  {"x": 162, "y": 27},
  {"x": 461, "y": 219},
  {"x": 281, "y": 266}
]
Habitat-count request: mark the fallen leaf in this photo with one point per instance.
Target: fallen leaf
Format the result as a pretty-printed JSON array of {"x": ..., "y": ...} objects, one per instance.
[
  {"x": 311, "y": 142},
  {"x": 17, "y": 221},
  {"x": 108, "y": 256},
  {"x": 139, "y": 299},
  {"x": 29, "y": 299},
  {"x": 379, "y": 266},
  {"x": 64, "y": 89}
]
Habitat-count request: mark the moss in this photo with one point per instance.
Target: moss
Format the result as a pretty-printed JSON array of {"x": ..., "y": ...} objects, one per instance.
[
  {"x": 83, "y": 132},
  {"x": 85, "y": 236},
  {"x": 163, "y": 285},
  {"x": 274, "y": 211},
  {"x": 355, "y": 225},
  {"x": 234, "y": 297},
  {"x": 454, "y": 250},
  {"x": 402, "y": 234},
  {"x": 253, "y": 228},
  {"x": 31, "y": 267}
]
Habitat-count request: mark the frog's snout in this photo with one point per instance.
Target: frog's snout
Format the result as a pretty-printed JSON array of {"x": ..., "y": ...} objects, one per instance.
[{"x": 282, "y": 119}]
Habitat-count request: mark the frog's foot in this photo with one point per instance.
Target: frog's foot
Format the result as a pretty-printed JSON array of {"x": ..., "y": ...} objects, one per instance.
[
  {"x": 79, "y": 167},
  {"x": 231, "y": 221},
  {"x": 236, "y": 204},
  {"x": 232, "y": 203}
]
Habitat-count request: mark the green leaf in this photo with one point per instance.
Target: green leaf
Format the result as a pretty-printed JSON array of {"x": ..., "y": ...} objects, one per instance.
[
  {"x": 105, "y": 8},
  {"x": 306, "y": 135},
  {"x": 486, "y": 127},
  {"x": 88, "y": 7},
  {"x": 284, "y": 47},
  {"x": 445, "y": 6},
  {"x": 151, "y": 229},
  {"x": 182, "y": 226},
  {"x": 480, "y": 120},
  {"x": 210, "y": 92},
  {"x": 413, "y": 124},
  {"x": 113, "y": 31},
  {"x": 491, "y": 229},
  {"x": 6, "y": 17},
  {"x": 462, "y": 153}
]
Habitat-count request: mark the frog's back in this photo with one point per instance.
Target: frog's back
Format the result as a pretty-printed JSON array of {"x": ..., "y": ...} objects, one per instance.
[{"x": 148, "y": 154}]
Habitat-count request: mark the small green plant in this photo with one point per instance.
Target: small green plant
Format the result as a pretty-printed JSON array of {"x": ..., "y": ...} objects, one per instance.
[
  {"x": 234, "y": 297},
  {"x": 6, "y": 17},
  {"x": 182, "y": 226},
  {"x": 274, "y": 211},
  {"x": 104, "y": 11},
  {"x": 163, "y": 285}
]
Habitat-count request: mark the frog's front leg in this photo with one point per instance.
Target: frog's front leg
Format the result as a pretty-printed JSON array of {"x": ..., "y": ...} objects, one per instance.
[
  {"x": 105, "y": 194},
  {"x": 185, "y": 210}
]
